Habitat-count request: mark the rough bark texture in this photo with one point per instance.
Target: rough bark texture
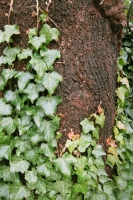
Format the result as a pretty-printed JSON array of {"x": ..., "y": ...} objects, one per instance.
[{"x": 89, "y": 51}]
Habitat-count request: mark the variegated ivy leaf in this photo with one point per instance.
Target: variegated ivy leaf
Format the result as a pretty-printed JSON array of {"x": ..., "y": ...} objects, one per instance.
[
  {"x": 18, "y": 192},
  {"x": 19, "y": 165},
  {"x": 8, "y": 74},
  {"x": 31, "y": 177},
  {"x": 50, "y": 56},
  {"x": 24, "y": 54},
  {"x": 49, "y": 33},
  {"x": 5, "y": 152},
  {"x": 9, "y": 125},
  {"x": 49, "y": 104},
  {"x": 14, "y": 98},
  {"x": 2, "y": 83},
  {"x": 4, "y": 190},
  {"x": 63, "y": 187},
  {"x": 9, "y": 31},
  {"x": 33, "y": 90},
  {"x": 38, "y": 65},
  {"x": 11, "y": 54},
  {"x": 23, "y": 79},
  {"x": 37, "y": 41},
  {"x": 5, "y": 109},
  {"x": 48, "y": 129},
  {"x": 51, "y": 81}
]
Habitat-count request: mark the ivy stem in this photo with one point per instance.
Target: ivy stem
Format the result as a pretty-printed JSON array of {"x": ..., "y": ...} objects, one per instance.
[{"x": 10, "y": 10}]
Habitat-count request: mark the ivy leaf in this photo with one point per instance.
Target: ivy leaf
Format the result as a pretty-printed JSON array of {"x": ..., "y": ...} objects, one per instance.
[
  {"x": 121, "y": 93},
  {"x": 100, "y": 119},
  {"x": 24, "y": 54},
  {"x": 23, "y": 79},
  {"x": 48, "y": 129},
  {"x": 5, "y": 109},
  {"x": 32, "y": 155},
  {"x": 80, "y": 164},
  {"x": 6, "y": 175},
  {"x": 49, "y": 33},
  {"x": 38, "y": 116},
  {"x": 19, "y": 165},
  {"x": 21, "y": 146},
  {"x": 49, "y": 104},
  {"x": 51, "y": 81},
  {"x": 9, "y": 31},
  {"x": 71, "y": 145},
  {"x": 11, "y": 54},
  {"x": 9, "y": 125},
  {"x": 43, "y": 170},
  {"x": 5, "y": 152},
  {"x": 63, "y": 187},
  {"x": 8, "y": 74},
  {"x": 35, "y": 138},
  {"x": 14, "y": 98},
  {"x": 50, "y": 56},
  {"x": 38, "y": 65},
  {"x": 54, "y": 176},
  {"x": 18, "y": 191},
  {"x": 100, "y": 195},
  {"x": 80, "y": 188},
  {"x": 31, "y": 32},
  {"x": 87, "y": 126},
  {"x": 1, "y": 36},
  {"x": 4, "y": 190},
  {"x": 40, "y": 186},
  {"x": 37, "y": 41},
  {"x": 32, "y": 91},
  {"x": 121, "y": 182},
  {"x": 2, "y": 83},
  {"x": 47, "y": 150},
  {"x": 98, "y": 151},
  {"x": 31, "y": 177}
]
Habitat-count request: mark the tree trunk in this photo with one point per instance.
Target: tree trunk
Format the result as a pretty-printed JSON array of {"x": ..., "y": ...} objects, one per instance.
[{"x": 88, "y": 44}]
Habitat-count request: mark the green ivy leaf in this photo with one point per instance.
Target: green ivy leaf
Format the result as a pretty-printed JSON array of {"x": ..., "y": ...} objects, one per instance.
[
  {"x": 32, "y": 155},
  {"x": 8, "y": 74},
  {"x": 1, "y": 36},
  {"x": 80, "y": 164},
  {"x": 49, "y": 104},
  {"x": 5, "y": 109},
  {"x": 51, "y": 81},
  {"x": 31, "y": 177},
  {"x": 98, "y": 151},
  {"x": 63, "y": 187},
  {"x": 50, "y": 56},
  {"x": 121, "y": 182},
  {"x": 43, "y": 17},
  {"x": 21, "y": 146},
  {"x": 5, "y": 152},
  {"x": 31, "y": 32},
  {"x": 49, "y": 33},
  {"x": 38, "y": 116},
  {"x": 121, "y": 93},
  {"x": 35, "y": 138},
  {"x": 87, "y": 126},
  {"x": 2, "y": 83},
  {"x": 23, "y": 79},
  {"x": 37, "y": 41},
  {"x": 14, "y": 98},
  {"x": 71, "y": 145},
  {"x": 47, "y": 150},
  {"x": 9, "y": 125},
  {"x": 80, "y": 188},
  {"x": 48, "y": 129},
  {"x": 11, "y": 54},
  {"x": 40, "y": 187},
  {"x": 38, "y": 65},
  {"x": 9, "y": 31},
  {"x": 82, "y": 177},
  {"x": 100, "y": 119},
  {"x": 43, "y": 170},
  {"x": 54, "y": 176},
  {"x": 24, "y": 54},
  {"x": 100, "y": 195},
  {"x": 18, "y": 191},
  {"x": 4, "y": 190},
  {"x": 6, "y": 175},
  {"x": 19, "y": 165}
]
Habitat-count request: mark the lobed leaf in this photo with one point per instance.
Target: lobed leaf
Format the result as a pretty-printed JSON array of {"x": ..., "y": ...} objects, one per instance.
[
  {"x": 5, "y": 109},
  {"x": 19, "y": 165},
  {"x": 9, "y": 125}
]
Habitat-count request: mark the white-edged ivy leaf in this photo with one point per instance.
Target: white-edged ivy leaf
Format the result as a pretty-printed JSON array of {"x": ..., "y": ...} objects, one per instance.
[
  {"x": 19, "y": 165},
  {"x": 87, "y": 126},
  {"x": 80, "y": 164},
  {"x": 8, "y": 74},
  {"x": 31, "y": 91},
  {"x": 37, "y": 41},
  {"x": 31, "y": 177},
  {"x": 51, "y": 81},
  {"x": 4, "y": 190},
  {"x": 2, "y": 83},
  {"x": 14, "y": 98},
  {"x": 38, "y": 65},
  {"x": 47, "y": 150},
  {"x": 48, "y": 129},
  {"x": 50, "y": 56},
  {"x": 63, "y": 187},
  {"x": 43, "y": 170},
  {"x": 5, "y": 152},
  {"x": 38, "y": 116},
  {"x": 98, "y": 151},
  {"x": 11, "y": 54},
  {"x": 23, "y": 79},
  {"x": 32, "y": 155},
  {"x": 9, "y": 31},
  {"x": 18, "y": 192},
  {"x": 49, "y": 33},
  {"x": 9, "y": 125},
  {"x": 80, "y": 188},
  {"x": 5, "y": 109},
  {"x": 49, "y": 104},
  {"x": 24, "y": 54}
]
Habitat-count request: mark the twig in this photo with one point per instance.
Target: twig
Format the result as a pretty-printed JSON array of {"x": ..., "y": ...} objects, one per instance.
[
  {"x": 102, "y": 2},
  {"x": 10, "y": 10},
  {"x": 37, "y": 13},
  {"x": 48, "y": 4}
]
